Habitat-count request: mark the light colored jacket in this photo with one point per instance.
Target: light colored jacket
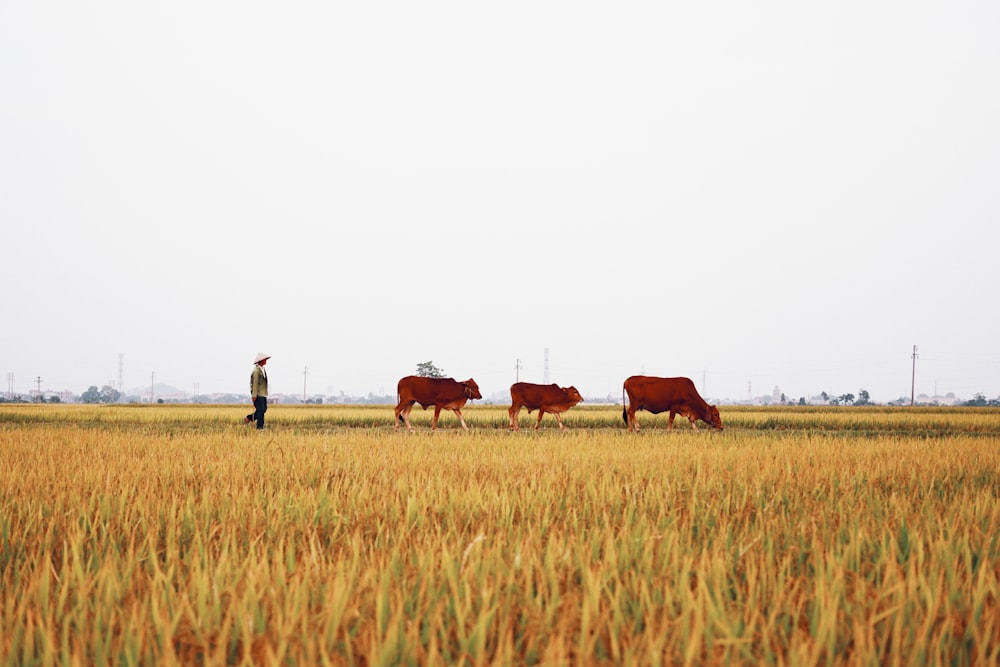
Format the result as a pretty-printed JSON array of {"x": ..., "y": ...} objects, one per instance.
[{"x": 258, "y": 381}]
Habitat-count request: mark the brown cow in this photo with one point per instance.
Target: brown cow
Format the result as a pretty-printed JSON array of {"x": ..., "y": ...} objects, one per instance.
[
  {"x": 656, "y": 395},
  {"x": 440, "y": 392},
  {"x": 542, "y": 397}
]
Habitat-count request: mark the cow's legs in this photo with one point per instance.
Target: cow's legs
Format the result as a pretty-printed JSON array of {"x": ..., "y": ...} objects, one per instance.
[
  {"x": 538, "y": 423},
  {"x": 670, "y": 422},
  {"x": 458, "y": 412},
  {"x": 559, "y": 421},
  {"x": 633, "y": 421},
  {"x": 403, "y": 410},
  {"x": 514, "y": 414},
  {"x": 685, "y": 413},
  {"x": 434, "y": 421}
]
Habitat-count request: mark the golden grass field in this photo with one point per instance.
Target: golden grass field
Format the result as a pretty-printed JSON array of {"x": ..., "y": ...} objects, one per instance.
[{"x": 798, "y": 536}]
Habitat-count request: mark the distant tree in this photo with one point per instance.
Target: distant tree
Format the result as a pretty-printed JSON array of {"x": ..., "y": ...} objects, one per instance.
[
  {"x": 863, "y": 398},
  {"x": 109, "y": 394},
  {"x": 979, "y": 401},
  {"x": 54, "y": 399},
  {"x": 427, "y": 369},
  {"x": 845, "y": 399},
  {"x": 103, "y": 395},
  {"x": 802, "y": 400},
  {"x": 825, "y": 396}
]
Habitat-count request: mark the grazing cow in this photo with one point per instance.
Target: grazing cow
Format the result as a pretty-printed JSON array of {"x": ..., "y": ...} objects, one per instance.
[
  {"x": 542, "y": 397},
  {"x": 440, "y": 392},
  {"x": 656, "y": 395}
]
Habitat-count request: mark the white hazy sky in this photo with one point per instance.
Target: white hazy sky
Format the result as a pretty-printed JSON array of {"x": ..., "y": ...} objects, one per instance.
[{"x": 760, "y": 194}]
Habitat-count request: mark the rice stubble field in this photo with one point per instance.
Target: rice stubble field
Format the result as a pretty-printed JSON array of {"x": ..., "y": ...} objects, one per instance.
[{"x": 797, "y": 536}]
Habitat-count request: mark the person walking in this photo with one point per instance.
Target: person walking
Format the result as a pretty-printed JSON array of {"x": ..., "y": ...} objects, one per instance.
[{"x": 258, "y": 391}]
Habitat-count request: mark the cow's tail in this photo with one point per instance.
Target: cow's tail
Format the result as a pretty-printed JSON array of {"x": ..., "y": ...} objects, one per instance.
[{"x": 624, "y": 412}]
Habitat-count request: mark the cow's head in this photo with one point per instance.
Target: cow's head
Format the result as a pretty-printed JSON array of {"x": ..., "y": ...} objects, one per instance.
[
  {"x": 573, "y": 394},
  {"x": 472, "y": 389},
  {"x": 713, "y": 418}
]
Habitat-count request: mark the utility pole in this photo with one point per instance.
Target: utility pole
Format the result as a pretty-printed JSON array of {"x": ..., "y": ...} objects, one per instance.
[
  {"x": 39, "y": 380},
  {"x": 305, "y": 372},
  {"x": 121, "y": 376},
  {"x": 545, "y": 373},
  {"x": 913, "y": 377},
  {"x": 517, "y": 370}
]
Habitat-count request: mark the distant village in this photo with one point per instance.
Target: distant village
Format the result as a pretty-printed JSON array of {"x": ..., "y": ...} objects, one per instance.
[{"x": 162, "y": 393}]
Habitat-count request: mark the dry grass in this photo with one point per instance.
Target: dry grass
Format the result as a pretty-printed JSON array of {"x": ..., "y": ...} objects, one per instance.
[{"x": 173, "y": 535}]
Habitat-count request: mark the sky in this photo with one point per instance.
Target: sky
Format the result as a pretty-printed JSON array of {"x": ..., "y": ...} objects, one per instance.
[{"x": 754, "y": 195}]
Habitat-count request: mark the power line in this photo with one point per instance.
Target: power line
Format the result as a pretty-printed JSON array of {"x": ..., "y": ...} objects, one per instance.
[{"x": 913, "y": 376}]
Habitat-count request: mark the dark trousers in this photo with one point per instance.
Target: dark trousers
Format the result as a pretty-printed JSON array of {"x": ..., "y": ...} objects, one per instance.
[{"x": 259, "y": 408}]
